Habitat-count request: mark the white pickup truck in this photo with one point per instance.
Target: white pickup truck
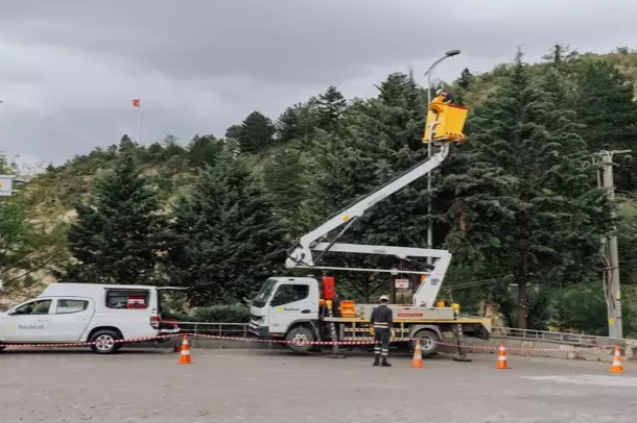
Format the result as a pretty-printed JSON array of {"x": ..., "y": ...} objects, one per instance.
[{"x": 77, "y": 312}]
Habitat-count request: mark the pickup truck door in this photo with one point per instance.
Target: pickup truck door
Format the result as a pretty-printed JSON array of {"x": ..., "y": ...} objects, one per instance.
[
  {"x": 28, "y": 322},
  {"x": 69, "y": 318}
]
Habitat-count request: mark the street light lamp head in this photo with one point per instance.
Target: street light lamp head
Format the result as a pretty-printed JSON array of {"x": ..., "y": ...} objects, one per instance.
[{"x": 451, "y": 53}]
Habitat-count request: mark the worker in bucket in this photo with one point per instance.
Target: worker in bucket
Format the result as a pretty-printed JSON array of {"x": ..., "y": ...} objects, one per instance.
[
  {"x": 382, "y": 324},
  {"x": 444, "y": 96}
]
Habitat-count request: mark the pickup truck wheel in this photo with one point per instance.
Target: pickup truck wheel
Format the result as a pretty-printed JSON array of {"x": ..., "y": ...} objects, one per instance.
[
  {"x": 428, "y": 341},
  {"x": 297, "y": 337},
  {"x": 106, "y": 339}
]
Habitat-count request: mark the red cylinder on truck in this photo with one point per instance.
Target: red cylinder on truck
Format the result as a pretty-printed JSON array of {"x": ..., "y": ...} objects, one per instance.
[{"x": 329, "y": 289}]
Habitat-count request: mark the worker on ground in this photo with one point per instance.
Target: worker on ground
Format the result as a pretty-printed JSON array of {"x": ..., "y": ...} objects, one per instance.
[{"x": 382, "y": 324}]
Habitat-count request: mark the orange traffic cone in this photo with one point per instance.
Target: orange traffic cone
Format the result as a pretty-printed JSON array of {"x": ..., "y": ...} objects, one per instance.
[
  {"x": 503, "y": 363},
  {"x": 184, "y": 356},
  {"x": 617, "y": 363},
  {"x": 416, "y": 362}
]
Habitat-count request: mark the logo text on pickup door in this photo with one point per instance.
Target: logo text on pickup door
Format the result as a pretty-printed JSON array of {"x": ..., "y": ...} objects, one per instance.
[{"x": 29, "y": 327}]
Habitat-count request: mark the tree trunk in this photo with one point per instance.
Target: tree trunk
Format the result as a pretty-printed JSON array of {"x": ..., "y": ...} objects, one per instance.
[
  {"x": 392, "y": 292},
  {"x": 523, "y": 304}
]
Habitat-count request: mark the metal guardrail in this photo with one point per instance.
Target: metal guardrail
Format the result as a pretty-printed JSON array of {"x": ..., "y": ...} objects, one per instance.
[
  {"x": 241, "y": 330},
  {"x": 218, "y": 329},
  {"x": 558, "y": 337}
]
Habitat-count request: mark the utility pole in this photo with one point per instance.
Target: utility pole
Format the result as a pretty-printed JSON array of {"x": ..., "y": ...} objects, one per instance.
[
  {"x": 609, "y": 252},
  {"x": 447, "y": 55}
]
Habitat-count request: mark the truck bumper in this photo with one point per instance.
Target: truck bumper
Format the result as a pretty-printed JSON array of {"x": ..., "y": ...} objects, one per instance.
[{"x": 259, "y": 331}]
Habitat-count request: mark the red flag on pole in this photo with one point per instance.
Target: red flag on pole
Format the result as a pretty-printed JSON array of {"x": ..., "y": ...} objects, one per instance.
[{"x": 136, "y": 103}]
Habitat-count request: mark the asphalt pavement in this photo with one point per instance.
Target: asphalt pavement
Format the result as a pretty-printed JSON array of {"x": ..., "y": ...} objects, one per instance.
[{"x": 232, "y": 386}]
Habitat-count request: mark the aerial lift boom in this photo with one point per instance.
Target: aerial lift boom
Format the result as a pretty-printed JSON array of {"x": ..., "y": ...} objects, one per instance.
[
  {"x": 321, "y": 316},
  {"x": 444, "y": 126}
]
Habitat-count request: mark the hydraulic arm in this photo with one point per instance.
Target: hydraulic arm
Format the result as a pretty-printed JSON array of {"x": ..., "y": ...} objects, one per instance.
[
  {"x": 301, "y": 256},
  {"x": 444, "y": 126}
]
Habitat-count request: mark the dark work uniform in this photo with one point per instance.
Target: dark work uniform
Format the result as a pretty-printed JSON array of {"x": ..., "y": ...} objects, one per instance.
[
  {"x": 382, "y": 321},
  {"x": 447, "y": 97}
]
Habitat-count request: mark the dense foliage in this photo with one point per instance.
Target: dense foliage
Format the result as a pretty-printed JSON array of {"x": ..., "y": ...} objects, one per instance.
[{"x": 518, "y": 205}]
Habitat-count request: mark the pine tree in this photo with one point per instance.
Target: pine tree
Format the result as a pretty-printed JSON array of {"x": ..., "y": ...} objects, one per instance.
[
  {"x": 287, "y": 125},
  {"x": 465, "y": 79},
  {"x": 284, "y": 179},
  {"x": 297, "y": 122},
  {"x": 224, "y": 238},
  {"x": 560, "y": 56},
  {"x": 256, "y": 133},
  {"x": 331, "y": 105},
  {"x": 526, "y": 202},
  {"x": 126, "y": 145},
  {"x": 117, "y": 236},
  {"x": 203, "y": 151},
  {"x": 234, "y": 132}
]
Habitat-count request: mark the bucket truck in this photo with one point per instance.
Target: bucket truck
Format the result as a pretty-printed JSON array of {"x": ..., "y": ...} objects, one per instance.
[{"x": 300, "y": 310}]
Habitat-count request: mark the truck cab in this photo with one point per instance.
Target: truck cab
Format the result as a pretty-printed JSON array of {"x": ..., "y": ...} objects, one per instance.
[{"x": 282, "y": 303}]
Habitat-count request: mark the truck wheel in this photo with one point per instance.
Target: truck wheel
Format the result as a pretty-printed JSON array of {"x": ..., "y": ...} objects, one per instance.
[
  {"x": 297, "y": 336},
  {"x": 428, "y": 341},
  {"x": 107, "y": 343},
  {"x": 1, "y": 348}
]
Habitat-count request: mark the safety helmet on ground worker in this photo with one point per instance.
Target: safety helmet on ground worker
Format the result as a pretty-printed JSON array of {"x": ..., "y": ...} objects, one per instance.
[{"x": 383, "y": 298}]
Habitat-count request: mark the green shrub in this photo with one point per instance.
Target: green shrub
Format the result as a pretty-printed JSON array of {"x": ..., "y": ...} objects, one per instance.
[
  {"x": 176, "y": 315},
  {"x": 221, "y": 314}
]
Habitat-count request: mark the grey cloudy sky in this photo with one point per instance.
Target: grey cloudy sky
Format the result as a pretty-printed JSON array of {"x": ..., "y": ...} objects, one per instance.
[{"x": 70, "y": 68}]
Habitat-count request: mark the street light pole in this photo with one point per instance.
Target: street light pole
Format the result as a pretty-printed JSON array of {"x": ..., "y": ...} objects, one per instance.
[{"x": 448, "y": 54}]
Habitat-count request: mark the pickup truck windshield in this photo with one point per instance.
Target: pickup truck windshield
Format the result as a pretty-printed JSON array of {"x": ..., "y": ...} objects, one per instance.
[{"x": 264, "y": 293}]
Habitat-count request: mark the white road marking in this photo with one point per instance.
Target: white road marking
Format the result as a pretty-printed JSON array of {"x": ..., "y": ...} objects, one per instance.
[{"x": 602, "y": 380}]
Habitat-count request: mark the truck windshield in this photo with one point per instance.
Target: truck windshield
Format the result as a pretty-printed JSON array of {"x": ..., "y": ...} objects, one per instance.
[{"x": 264, "y": 293}]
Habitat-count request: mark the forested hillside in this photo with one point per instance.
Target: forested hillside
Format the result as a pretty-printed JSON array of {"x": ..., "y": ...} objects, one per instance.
[{"x": 518, "y": 204}]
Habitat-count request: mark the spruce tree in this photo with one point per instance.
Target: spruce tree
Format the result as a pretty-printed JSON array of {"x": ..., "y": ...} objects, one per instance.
[
  {"x": 561, "y": 56},
  {"x": 224, "y": 238},
  {"x": 118, "y": 234},
  {"x": 465, "y": 79},
  {"x": 126, "y": 145},
  {"x": 256, "y": 133},
  {"x": 297, "y": 122},
  {"x": 287, "y": 125},
  {"x": 233, "y": 132},
  {"x": 526, "y": 201},
  {"x": 203, "y": 151},
  {"x": 331, "y": 105},
  {"x": 284, "y": 179}
]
